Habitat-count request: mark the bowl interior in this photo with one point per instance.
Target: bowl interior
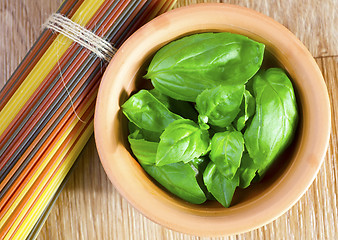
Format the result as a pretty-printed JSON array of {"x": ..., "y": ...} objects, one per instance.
[
  {"x": 286, "y": 180},
  {"x": 242, "y": 196}
]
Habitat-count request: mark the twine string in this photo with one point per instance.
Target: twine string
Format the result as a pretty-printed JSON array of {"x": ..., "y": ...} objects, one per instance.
[
  {"x": 81, "y": 35},
  {"x": 89, "y": 40}
]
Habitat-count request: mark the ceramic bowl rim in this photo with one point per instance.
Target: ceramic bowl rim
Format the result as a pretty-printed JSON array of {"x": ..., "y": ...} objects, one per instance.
[{"x": 296, "y": 50}]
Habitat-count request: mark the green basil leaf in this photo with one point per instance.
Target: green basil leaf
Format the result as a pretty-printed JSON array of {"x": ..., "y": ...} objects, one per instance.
[
  {"x": 246, "y": 171},
  {"x": 226, "y": 152},
  {"x": 182, "y": 140},
  {"x": 146, "y": 112},
  {"x": 164, "y": 99},
  {"x": 179, "y": 179},
  {"x": 186, "y": 67},
  {"x": 247, "y": 110},
  {"x": 199, "y": 165},
  {"x": 144, "y": 134},
  {"x": 219, "y": 186},
  {"x": 219, "y": 106},
  {"x": 132, "y": 128},
  {"x": 182, "y": 108},
  {"x": 230, "y": 128},
  {"x": 145, "y": 151},
  {"x": 274, "y": 123}
]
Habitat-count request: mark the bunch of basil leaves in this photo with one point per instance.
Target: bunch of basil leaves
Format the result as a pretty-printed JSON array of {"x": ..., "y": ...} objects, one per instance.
[{"x": 215, "y": 120}]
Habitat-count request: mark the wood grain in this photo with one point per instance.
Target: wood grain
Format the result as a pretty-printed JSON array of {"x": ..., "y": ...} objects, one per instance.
[{"x": 90, "y": 208}]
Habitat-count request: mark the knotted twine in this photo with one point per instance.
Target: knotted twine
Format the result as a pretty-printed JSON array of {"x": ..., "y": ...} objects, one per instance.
[{"x": 81, "y": 35}]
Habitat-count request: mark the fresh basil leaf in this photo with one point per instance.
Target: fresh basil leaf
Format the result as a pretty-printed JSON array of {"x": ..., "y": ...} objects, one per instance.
[
  {"x": 146, "y": 112},
  {"x": 144, "y": 134},
  {"x": 274, "y": 123},
  {"x": 219, "y": 106},
  {"x": 164, "y": 99},
  {"x": 182, "y": 140},
  {"x": 132, "y": 127},
  {"x": 186, "y": 67},
  {"x": 247, "y": 110},
  {"x": 182, "y": 108},
  {"x": 178, "y": 178},
  {"x": 145, "y": 151},
  {"x": 226, "y": 152},
  {"x": 246, "y": 171},
  {"x": 214, "y": 129},
  {"x": 219, "y": 186},
  {"x": 199, "y": 165},
  {"x": 230, "y": 128}
]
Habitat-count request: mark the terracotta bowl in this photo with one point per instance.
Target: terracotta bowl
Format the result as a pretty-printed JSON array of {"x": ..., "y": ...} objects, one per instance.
[{"x": 261, "y": 203}]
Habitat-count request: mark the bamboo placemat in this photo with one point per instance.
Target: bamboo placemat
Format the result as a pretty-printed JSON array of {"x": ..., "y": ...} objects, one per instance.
[{"x": 90, "y": 208}]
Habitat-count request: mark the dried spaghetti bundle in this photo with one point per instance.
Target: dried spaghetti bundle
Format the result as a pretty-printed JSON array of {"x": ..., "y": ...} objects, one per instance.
[{"x": 47, "y": 106}]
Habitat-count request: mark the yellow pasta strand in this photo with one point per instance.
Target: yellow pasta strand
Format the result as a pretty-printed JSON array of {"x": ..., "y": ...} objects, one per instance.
[
  {"x": 51, "y": 188},
  {"x": 38, "y": 190},
  {"x": 157, "y": 9},
  {"x": 44, "y": 164},
  {"x": 50, "y": 58},
  {"x": 32, "y": 211}
]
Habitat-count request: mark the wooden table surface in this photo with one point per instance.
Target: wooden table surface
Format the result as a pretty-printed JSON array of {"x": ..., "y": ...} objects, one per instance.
[{"x": 89, "y": 207}]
